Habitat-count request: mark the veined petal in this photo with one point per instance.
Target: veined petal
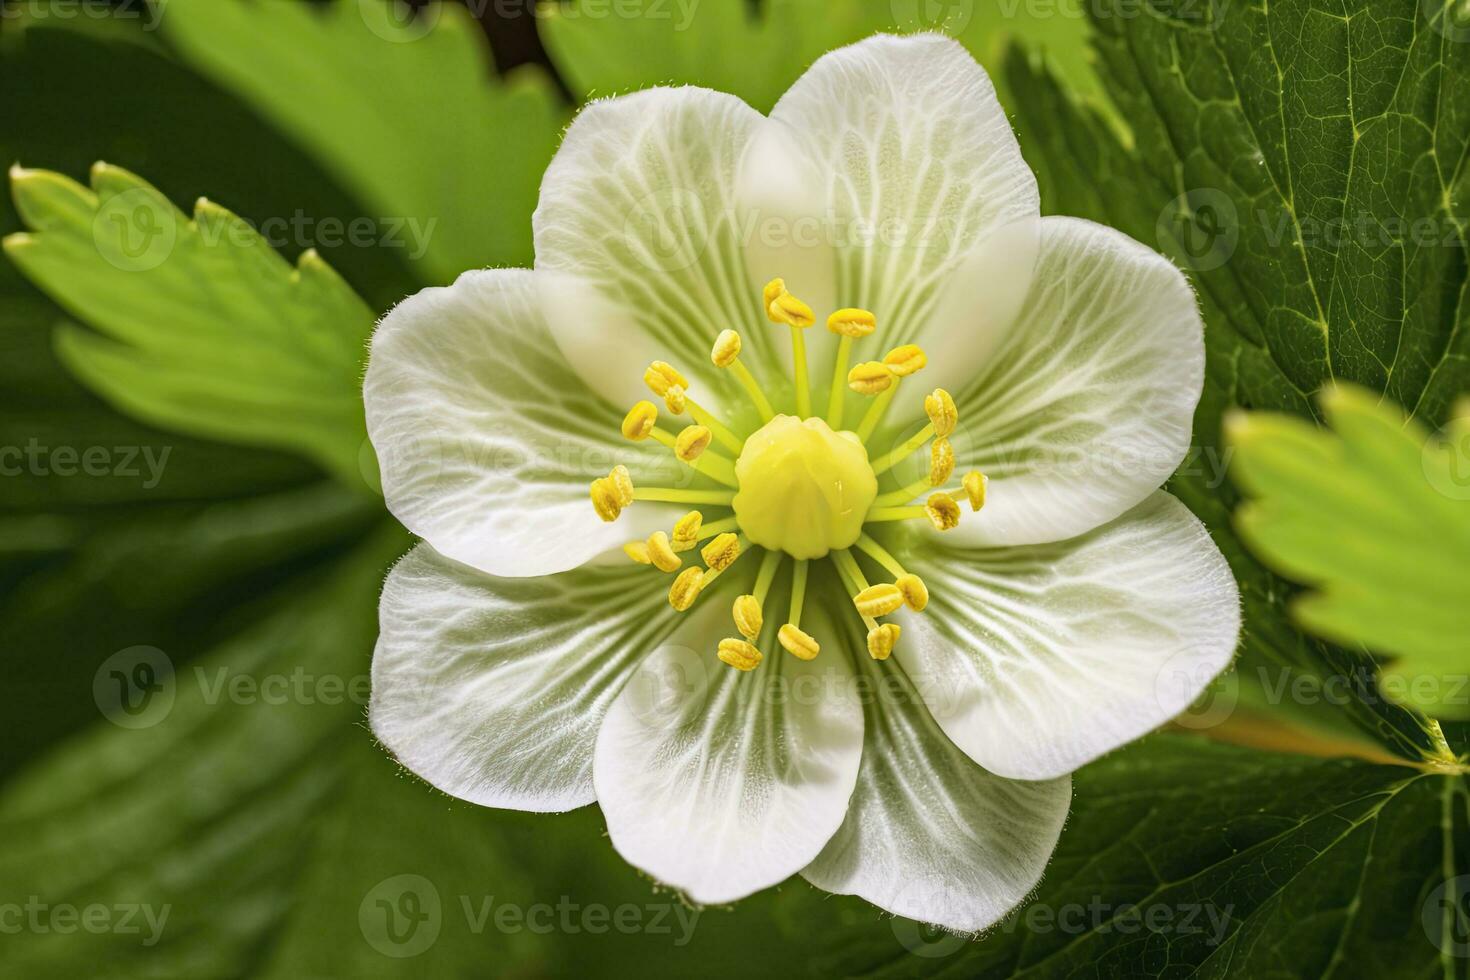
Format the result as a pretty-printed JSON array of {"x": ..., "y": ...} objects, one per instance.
[
  {"x": 493, "y": 689},
  {"x": 720, "y": 783},
  {"x": 1086, "y": 406},
  {"x": 914, "y": 168},
  {"x": 1039, "y": 659},
  {"x": 638, "y": 217},
  {"x": 929, "y": 834},
  {"x": 486, "y": 439}
]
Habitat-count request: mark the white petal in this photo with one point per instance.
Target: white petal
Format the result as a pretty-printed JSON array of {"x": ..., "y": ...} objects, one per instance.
[
  {"x": 493, "y": 689},
  {"x": 486, "y": 439},
  {"x": 916, "y": 168},
  {"x": 929, "y": 834},
  {"x": 638, "y": 214},
  {"x": 1039, "y": 659},
  {"x": 722, "y": 783},
  {"x": 1086, "y": 406}
]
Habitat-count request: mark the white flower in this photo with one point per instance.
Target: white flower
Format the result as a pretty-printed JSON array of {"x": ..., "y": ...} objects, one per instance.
[{"x": 527, "y": 662}]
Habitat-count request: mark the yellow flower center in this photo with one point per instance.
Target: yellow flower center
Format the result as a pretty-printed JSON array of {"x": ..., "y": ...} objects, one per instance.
[
  {"x": 801, "y": 486},
  {"x": 804, "y": 489}
]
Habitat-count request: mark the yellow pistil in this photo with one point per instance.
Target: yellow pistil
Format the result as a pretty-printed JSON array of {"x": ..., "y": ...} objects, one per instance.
[
  {"x": 726, "y": 354},
  {"x": 661, "y": 376},
  {"x": 638, "y": 551},
  {"x": 941, "y": 462},
  {"x": 748, "y": 616},
  {"x": 782, "y": 307},
  {"x": 661, "y": 553},
  {"x": 878, "y": 600},
  {"x": 686, "y": 530},
  {"x": 882, "y": 639},
  {"x": 695, "y": 439},
  {"x": 974, "y": 484},
  {"x": 797, "y": 643},
  {"x": 943, "y": 415},
  {"x": 739, "y": 654},
  {"x": 870, "y": 378},
  {"x": 721, "y": 553},
  {"x": 639, "y": 422},
  {"x": 686, "y": 588}
]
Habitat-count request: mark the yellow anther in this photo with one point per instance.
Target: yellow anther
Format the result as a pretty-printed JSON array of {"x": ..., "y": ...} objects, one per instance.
[
  {"x": 721, "y": 552},
  {"x": 939, "y": 406},
  {"x": 726, "y": 349},
  {"x": 882, "y": 639},
  {"x": 870, "y": 378},
  {"x": 676, "y": 399},
  {"x": 799, "y": 644},
  {"x": 878, "y": 600},
  {"x": 852, "y": 323},
  {"x": 622, "y": 483},
  {"x": 661, "y": 375},
  {"x": 694, "y": 440},
  {"x": 915, "y": 592},
  {"x": 740, "y": 654},
  {"x": 606, "y": 499},
  {"x": 638, "y": 551},
  {"x": 686, "y": 588},
  {"x": 782, "y": 307},
  {"x": 941, "y": 462},
  {"x": 686, "y": 530},
  {"x": 974, "y": 484},
  {"x": 904, "y": 361},
  {"x": 661, "y": 553},
  {"x": 748, "y": 616},
  {"x": 943, "y": 512},
  {"x": 639, "y": 421}
]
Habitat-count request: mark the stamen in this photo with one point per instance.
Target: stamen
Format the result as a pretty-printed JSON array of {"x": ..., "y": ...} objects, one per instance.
[
  {"x": 975, "y": 484},
  {"x": 670, "y": 496},
  {"x": 661, "y": 553},
  {"x": 887, "y": 461},
  {"x": 676, "y": 399},
  {"x": 695, "y": 439},
  {"x": 726, "y": 354},
  {"x": 850, "y": 324},
  {"x": 878, "y": 600},
  {"x": 880, "y": 554},
  {"x": 940, "y": 509},
  {"x": 686, "y": 530},
  {"x": 870, "y": 378},
  {"x": 902, "y": 361},
  {"x": 721, "y": 553},
  {"x": 739, "y": 654},
  {"x": 903, "y": 495},
  {"x": 782, "y": 307},
  {"x": 611, "y": 493},
  {"x": 797, "y": 643},
  {"x": 882, "y": 639},
  {"x": 943, "y": 415},
  {"x": 941, "y": 462},
  {"x": 661, "y": 376},
  {"x": 721, "y": 432},
  {"x": 798, "y": 591},
  {"x": 715, "y": 571},
  {"x": 686, "y": 588},
  {"x": 716, "y": 528},
  {"x": 639, "y": 422},
  {"x": 748, "y": 616},
  {"x": 915, "y": 592},
  {"x": 712, "y": 465},
  {"x": 622, "y": 482},
  {"x": 638, "y": 551}
]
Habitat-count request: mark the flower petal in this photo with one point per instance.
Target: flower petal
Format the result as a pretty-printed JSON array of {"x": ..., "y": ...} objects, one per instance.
[
  {"x": 1086, "y": 406},
  {"x": 638, "y": 216},
  {"x": 486, "y": 439},
  {"x": 929, "y": 834},
  {"x": 914, "y": 168},
  {"x": 493, "y": 689},
  {"x": 1037, "y": 660},
  {"x": 721, "y": 783}
]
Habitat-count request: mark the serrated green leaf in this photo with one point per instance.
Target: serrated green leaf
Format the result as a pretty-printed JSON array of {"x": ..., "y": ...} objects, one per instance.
[
  {"x": 1376, "y": 518},
  {"x": 407, "y": 113},
  {"x": 757, "y": 51},
  {"x": 1253, "y": 132},
  {"x": 203, "y": 328}
]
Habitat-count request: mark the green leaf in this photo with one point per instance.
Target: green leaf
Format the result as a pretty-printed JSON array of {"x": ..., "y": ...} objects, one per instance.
[
  {"x": 204, "y": 328},
  {"x": 408, "y": 114},
  {"x": 1377, "y": 520},
  {"x": 606, "y": 50},
  {"x": 1188, "y": 858},
  {"x": 1302, "y": 164}
]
